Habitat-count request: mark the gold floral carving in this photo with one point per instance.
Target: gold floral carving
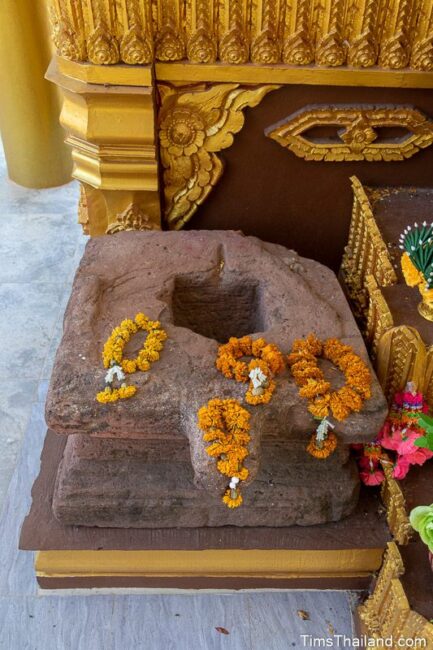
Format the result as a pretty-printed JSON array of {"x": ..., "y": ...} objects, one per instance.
[
  {"x": 363, "y": 48},
  {"x": 133, "y": 218},
  {"x": 265, "y": 41},
  {"x": 331, "y": 48},
  {"x": 233, "y": 31},
  {"x": 297, "y": 44},
  {"x": 359, "y": 139},
  {"x": 136, "y": 44},
  {"x": 201, "y": 41},
  {"x": 422, "y": 49},
  {"x": 194, "y": 124},
  {"x": 387, "y": 613},
  {"x": 330, "y": 33},
  {"x": 169, "y": 39},
  {"x": 394, "y": 51},
  {"x": 102, "y": 45},
  {"x": 396, "y": 512}
]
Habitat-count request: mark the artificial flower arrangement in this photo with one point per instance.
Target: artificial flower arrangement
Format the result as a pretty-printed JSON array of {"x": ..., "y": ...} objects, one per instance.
[
  {"x": 417, "y": 263},
  {"x": 322, "y": 401},
  {"x": 402, "y": 441},
  {"x": 118, "y": 367},
  {"x": 421, "y": 520}
]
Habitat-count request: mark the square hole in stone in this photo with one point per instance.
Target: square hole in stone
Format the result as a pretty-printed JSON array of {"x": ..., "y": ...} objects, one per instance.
[{"x": 220, "y": 307}]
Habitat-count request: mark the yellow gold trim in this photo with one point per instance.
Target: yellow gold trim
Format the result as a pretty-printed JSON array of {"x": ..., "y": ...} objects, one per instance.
[
  {"x": 395, "y": 503},
  {"x": 119, "y": 75},
  {"x": 272, "y": 563},
  {"x": 387, "y": 612},
  {"x": 283, "y": 74},
  {"x": 130, "y": 75}
]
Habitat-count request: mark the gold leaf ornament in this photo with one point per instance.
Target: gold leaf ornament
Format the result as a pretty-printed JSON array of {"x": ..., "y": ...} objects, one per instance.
[{"x": 195, "y": 123}]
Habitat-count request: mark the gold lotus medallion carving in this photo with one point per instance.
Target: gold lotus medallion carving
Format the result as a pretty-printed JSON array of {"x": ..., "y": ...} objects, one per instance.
[
  {"x": 345, "y": 133},
  {"x": 195, "y": 123}
]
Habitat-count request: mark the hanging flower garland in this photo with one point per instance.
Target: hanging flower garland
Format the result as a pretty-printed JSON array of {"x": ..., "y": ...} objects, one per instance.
[
  {"x": 317, "y": 390},
  {"x": 118, "y": 367},
  {"x": 268, "y": 362},
  {"x": 323, "y": 442},
  {"x": 226, "y": 426}
]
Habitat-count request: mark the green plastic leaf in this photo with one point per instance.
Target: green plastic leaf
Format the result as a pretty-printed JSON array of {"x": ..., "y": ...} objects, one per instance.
[
  {"x": 418, "y": 514},
  {"x": 426, "y": 422},
  {"x": 421, "y": 442}
]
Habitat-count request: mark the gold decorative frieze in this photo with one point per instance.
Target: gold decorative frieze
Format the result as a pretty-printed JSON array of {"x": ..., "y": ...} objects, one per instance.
[
  {"x": 379, "y": 317},
  {"x": 395, "y": 503},
  {"x": 194, "y": 124},
  {"x": 353, "y": 133},
  {"x": 360, "y": 33},
  {"x": 366, "y": 255},
  {"x": 386, "y": 614}
]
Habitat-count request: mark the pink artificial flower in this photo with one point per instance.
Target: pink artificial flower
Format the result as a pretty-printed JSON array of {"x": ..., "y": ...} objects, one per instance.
[
  {"x": 415, "y": 455},
  {"x": 371, "y": 473},
  {"x": 373, "y": 476},
  {"x": 419, "y": 455},
  {"x": 401, "y": 468},
  {"x": 390, "y": 438}
]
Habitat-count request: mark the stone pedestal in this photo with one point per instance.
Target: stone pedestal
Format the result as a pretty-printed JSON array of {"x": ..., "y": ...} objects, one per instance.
[{"x": 142, "y": 462}]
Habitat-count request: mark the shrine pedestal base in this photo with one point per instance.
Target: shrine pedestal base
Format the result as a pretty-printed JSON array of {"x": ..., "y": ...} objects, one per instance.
[{"x": 338, "y": 555}]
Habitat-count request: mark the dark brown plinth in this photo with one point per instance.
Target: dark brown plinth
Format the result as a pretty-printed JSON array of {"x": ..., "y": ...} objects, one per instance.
[
  {"x": 231, "y": 584},
  {"x": 360, "y": 538}
]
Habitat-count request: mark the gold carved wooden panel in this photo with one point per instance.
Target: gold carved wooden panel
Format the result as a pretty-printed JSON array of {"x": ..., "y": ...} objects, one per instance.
[
  {"x": 195, "y": 123},
  {"x": 341, "y": 133},
  {"x": 361, "y": 33}
]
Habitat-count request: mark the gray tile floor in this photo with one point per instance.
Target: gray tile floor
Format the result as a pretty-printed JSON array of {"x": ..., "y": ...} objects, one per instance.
[{"x": 39, "y": 251}]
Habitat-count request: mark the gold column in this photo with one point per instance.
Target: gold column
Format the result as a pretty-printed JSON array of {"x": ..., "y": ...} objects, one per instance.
[
  {"x": 111, "y": 129},
  {"x": 29, "y": 106}
]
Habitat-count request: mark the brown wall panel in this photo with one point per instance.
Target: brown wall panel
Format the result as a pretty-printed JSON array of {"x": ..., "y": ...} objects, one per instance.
[{"x": 268, "y": 192}]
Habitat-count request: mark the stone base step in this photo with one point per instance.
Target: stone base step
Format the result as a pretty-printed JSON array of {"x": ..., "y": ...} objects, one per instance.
[{"x": 132, "y": 483}]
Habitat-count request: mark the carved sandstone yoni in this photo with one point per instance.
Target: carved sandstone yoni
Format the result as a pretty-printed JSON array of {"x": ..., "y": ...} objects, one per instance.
[{"x": 142, "y": 462}]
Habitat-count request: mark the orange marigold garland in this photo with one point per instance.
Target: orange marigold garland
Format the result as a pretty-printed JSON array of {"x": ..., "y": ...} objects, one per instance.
[
  {"x": 317, "y": 390},
  {"x": 268, "y": 361},
  {"x": 226, "y": 426}
]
